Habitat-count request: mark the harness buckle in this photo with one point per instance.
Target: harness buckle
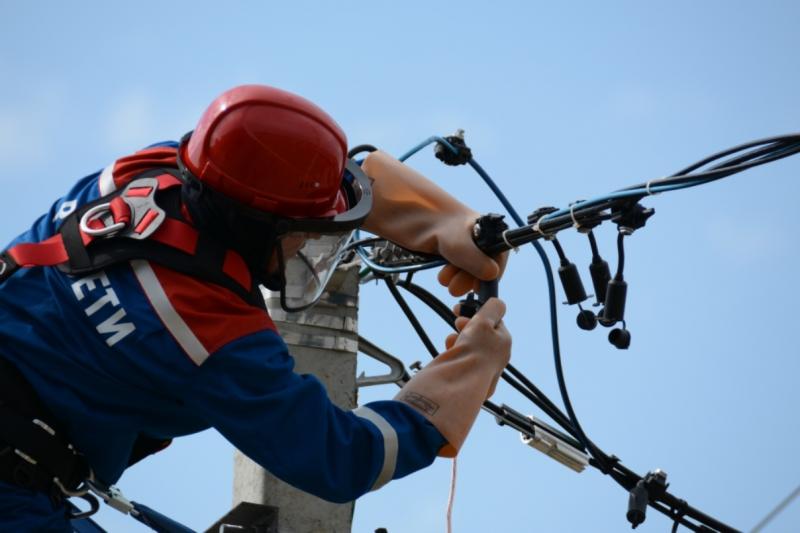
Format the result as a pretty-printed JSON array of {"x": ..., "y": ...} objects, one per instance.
[
  {"x": 96, "y": 213},
  {"x": 142, "y": 217},
  {"x": 112, "y": 496}
]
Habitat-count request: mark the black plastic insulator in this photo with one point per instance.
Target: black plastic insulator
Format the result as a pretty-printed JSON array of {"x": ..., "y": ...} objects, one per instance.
[
  {"x": 446, "y": 156},
  {"x": 633, "y": 216},
  {"x": 571, "y": 281},
  {"x": 488, "y": 231},
  {"x": 620, "y": 338},
  {"x": 469, "y": 306},
  {"x": 614, "y": 309},
  {"x": 601, "y": 275},
  {"x": 534, "y": 217},
  {"x": 586, "y": 320},
  {"x": 637, "y": 504}
]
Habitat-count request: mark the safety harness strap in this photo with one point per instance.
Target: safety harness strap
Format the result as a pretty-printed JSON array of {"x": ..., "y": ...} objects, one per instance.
[
  {"x": 33, "y": 451},
  {"x": 35, "y": 442},
  {"x": 128, "y": 224}
]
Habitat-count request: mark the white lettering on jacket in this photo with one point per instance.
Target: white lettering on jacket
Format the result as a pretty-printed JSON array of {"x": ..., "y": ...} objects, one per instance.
[
  {"x": 111, "y": 325},
  {"x": 65, "y": 209}
]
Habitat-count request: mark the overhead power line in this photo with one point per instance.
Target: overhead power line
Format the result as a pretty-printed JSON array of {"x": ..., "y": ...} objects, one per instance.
[{"x": 775, "y": 512}]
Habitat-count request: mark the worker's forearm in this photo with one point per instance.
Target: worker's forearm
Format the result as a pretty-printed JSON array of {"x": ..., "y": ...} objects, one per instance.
[{"x": 406, "y": 204}]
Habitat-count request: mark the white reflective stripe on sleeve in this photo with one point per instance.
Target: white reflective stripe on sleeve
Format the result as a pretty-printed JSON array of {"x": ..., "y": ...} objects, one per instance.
[
  {"x": 167, "y": 313},
  {"x": 106, "y": 180},
  {"x": 390, "y": 444}
]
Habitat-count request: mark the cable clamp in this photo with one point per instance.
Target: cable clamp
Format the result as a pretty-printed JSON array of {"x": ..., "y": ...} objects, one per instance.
[
  {"x": 508, "y": 243},
  {"x": 540, "y": 231},
  {"x": 581, "y": 228}
]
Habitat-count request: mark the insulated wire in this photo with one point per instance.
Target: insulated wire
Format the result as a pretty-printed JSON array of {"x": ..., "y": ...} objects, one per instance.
[
  {"x": 775, "y": 512},
  {"x": 511, "y": 375},
  {"x": 579, "y": 433},
  {"x": 610, "y": 465}
]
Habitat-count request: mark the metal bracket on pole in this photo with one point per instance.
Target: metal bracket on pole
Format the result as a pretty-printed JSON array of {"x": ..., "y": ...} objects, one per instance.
[{"x": 397, "y": 369}]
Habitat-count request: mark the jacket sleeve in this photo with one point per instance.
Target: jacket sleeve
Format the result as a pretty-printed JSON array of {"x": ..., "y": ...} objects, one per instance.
[{"x": 286, "y": 423}]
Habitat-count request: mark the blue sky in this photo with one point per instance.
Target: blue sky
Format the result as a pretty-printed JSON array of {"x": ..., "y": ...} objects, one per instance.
[{"x": 560, "y": 101}]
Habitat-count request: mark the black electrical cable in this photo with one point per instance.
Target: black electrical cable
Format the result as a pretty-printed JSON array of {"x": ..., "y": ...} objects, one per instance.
[
  {"x": 562, "y": 257},
  {"x": 511, "y": 375},
  {"x": 551, "y": 409},
  {"x": 610, "y": 465},
  {"x": 787, "y": 145},
  {"x": 360, "y": 149},
  {"x": 621, "y": 254},
  {"x": 439, "y": 307},
  {"x": 772, "y": 141},
  {"x": 762, "y": 152},
  {"x": 776, "y": 511},
  {"x": 593, "y": 244},
  {"x": 523, "y": 385},
  {"x": 413, "y": 319}
]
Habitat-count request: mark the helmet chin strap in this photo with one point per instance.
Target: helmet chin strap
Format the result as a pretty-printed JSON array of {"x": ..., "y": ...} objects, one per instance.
[{"x": 274, "y": 280}]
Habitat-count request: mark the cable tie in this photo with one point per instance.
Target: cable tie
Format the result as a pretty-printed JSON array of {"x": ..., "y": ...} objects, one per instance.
[
  {"x": 575, "y": 223},
  {"x": 539, "y": 230},
  {"x": 647, "y": 187},
  {"x": 508, "y": 243}
]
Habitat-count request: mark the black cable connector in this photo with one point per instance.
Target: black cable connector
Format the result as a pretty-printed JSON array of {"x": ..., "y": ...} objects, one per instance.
[
  {"x": 616, "y": 293},
  {"x": 599, "y": 270},
  {"x": 446, "y": 155},
  {"x": 570, "y": 277},
  {"x": 647, "y": 489}
]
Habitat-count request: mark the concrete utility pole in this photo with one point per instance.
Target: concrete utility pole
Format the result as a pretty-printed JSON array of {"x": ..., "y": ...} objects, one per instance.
[{"x": 324, "y": 341}]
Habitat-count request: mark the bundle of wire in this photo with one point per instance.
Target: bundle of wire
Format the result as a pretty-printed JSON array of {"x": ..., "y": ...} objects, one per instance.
[{"x": 584, "y": 213}]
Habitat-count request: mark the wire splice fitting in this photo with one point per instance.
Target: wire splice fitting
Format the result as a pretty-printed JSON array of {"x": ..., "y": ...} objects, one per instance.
[
  {"x": 601, "y": 275},
  {"x": 571, "y": 282},
  {"x": 614, "y": 308},
  {"x": 569, "y": 275},
  {"x": 650, "y": 487},
  {"x": 469, "y": 306},
  {"x": 599, "y": 270},
  {"x": 489, "y": 230},
  {"x": 444, "y": 154},
  {"x": 632, "y": 217}
]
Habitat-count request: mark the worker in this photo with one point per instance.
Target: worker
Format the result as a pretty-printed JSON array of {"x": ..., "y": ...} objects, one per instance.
[{"x": 131, "y": 312}]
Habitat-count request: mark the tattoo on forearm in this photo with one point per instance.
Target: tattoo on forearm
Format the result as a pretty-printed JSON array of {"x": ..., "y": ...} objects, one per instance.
[{"x": 426, "y": 405}]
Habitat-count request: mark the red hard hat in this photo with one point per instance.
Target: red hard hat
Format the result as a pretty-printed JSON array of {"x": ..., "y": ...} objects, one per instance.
[{"x": 271, "y": 150}]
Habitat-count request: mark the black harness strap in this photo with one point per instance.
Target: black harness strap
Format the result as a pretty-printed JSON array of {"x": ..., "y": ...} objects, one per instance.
[
  {"x": 33, "y": 449},
  {"x": 167, "y": 243}
]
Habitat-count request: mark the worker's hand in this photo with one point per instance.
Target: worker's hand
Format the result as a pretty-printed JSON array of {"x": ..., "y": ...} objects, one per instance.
[
  {"x": 415, "y": 213},
  {"x": 468, "y": 265},
  {"x": 450, "y": 390},
  {"x": 476, "y": 329}
]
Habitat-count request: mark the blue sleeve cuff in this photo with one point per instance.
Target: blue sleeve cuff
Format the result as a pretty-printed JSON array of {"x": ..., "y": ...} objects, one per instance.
[{"x": 418, "y": 440}]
